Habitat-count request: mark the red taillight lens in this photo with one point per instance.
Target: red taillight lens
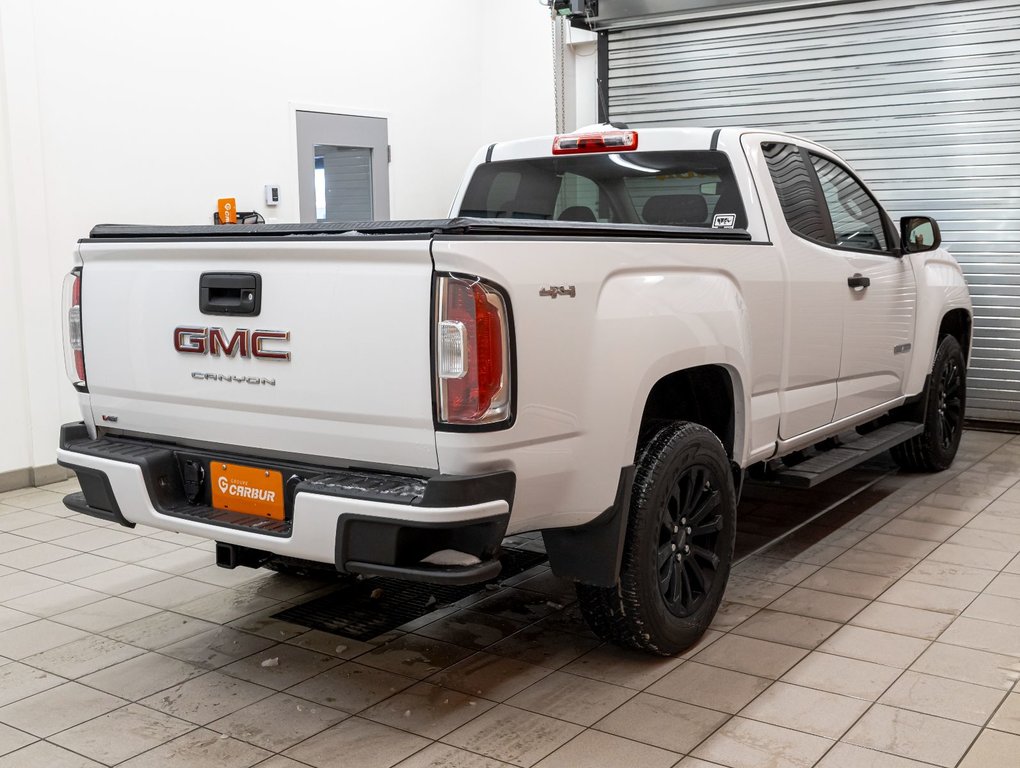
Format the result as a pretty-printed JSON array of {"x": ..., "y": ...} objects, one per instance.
[
  {"x": 472, "y": 353},
  {"x": 74, "y": 351},
  {"x": 611, "y": 141}
]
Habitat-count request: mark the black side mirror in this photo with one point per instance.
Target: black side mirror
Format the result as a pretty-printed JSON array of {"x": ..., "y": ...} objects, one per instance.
[{"x": 919, "y": 234}]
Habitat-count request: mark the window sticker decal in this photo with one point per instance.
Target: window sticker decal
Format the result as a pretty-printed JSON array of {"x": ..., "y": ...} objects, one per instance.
[{"x": 724, "y": 221}]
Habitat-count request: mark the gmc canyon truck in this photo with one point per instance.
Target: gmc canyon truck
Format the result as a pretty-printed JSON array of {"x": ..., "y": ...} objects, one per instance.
[{"x": 612, "y": 327}]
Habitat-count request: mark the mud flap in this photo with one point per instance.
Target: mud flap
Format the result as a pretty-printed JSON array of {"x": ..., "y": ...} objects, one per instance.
[{"x": 592, "y": 553}]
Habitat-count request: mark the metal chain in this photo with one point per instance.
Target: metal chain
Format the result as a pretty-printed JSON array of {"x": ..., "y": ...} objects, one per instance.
[
  {"x": 562, "y": 117},
  {"x": 559, "y": 71},
  {"x": 552, "y": 49}
]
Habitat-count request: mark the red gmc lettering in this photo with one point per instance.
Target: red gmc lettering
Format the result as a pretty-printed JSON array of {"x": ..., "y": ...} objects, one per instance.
[
  {"x": 242, "y": 343},
  {"x": 238, "y": 342},
  {"x": 190, "y": 340},
  {"x": 258, "y": 337}
]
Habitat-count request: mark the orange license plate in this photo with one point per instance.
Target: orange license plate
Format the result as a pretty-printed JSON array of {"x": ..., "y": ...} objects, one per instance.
[{"x": 247, "y": 490}]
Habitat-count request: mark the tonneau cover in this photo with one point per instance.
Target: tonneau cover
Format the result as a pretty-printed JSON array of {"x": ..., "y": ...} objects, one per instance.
[{"x": 421, "y": 227}]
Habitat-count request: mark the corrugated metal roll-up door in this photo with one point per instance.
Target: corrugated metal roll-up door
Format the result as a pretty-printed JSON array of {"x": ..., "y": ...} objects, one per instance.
[
  {"x": 347, "y": 177},
  {"x": 922, "y": 99}
]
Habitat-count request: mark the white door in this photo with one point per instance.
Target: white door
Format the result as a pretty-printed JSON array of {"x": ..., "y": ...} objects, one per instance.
[
  {"x": 815, "y": 279},
  {"x": 879, "y": 293}
]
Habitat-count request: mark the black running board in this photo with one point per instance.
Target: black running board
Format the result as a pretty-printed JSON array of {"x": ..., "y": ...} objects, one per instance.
[{"x": 828, "y": 464}]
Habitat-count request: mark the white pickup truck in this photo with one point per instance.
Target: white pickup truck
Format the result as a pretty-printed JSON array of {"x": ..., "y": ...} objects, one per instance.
[{"x": 612, "y": 327}]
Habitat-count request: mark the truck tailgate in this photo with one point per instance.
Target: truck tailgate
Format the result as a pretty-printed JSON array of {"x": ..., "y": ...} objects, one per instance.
[{"x": 357, "y": 384}]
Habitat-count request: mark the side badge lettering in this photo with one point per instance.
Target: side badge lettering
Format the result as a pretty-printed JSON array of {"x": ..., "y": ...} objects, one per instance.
[
  {"x": 724, "y": 221},
  {"x": 559, "y": 290}
]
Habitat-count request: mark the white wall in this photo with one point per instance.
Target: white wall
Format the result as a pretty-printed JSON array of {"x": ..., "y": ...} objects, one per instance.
[
  {"x": 126, "y": 111},
  {"x": 14, "y": 433}
]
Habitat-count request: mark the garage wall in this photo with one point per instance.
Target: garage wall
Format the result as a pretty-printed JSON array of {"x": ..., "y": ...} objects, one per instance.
[
  {"x": 922, "y": 98},
  {"x": 14, "y": 436},
  {"x": 121, "y": 111}
]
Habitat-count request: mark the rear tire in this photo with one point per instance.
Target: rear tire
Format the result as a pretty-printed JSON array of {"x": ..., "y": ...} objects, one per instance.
[
  {"x": 678, "y": 547},
  {"x": 935, "y": 448}
]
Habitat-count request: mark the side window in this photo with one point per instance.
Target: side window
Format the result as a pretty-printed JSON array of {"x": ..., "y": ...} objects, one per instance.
[
  {"x": 796, "y": 191},
  {"x": 856, "y": 218}
]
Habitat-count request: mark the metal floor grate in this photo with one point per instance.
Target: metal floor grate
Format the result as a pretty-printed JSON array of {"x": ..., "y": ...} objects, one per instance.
[{"x": 352, "y": 610}]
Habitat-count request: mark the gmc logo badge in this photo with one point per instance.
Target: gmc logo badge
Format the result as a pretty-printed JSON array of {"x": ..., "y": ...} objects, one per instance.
[{"x": 244, "y": 343}]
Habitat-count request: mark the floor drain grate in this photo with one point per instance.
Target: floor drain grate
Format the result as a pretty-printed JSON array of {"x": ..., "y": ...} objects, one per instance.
[{"x": 352, "y": 610}]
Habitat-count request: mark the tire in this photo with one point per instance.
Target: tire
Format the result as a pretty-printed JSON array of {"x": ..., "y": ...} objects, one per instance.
[
  {"x": 660, "y": 605},
  {"x": 944, "y": 403}
]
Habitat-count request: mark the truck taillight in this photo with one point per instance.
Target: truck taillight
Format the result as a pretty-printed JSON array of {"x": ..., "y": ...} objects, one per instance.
[
  {"x": 472, "y": 348},
  {"x": 74, "y": 350},
  {"x": 610, "y": 141}
]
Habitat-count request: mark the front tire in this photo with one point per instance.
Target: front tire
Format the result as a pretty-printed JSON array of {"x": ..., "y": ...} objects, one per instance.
[
  {"x": 935, "y": 448},
  {"x": 678, "y": 548}
]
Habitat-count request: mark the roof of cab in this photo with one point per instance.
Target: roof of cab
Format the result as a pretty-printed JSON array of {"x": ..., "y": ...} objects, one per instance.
[{"x": 649, "y": 140}]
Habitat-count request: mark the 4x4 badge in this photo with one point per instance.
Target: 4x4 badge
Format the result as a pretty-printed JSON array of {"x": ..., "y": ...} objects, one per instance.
[{"x": 559, "y": 290}]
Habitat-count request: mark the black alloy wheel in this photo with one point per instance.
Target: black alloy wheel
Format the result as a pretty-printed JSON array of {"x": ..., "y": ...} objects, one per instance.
[
  {"x": 689, "y": 537},
  {"x": 943, "y": 409},
  {"x": 950, "y": 403}
]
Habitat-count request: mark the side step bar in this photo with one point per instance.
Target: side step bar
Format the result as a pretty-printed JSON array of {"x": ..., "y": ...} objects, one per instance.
[{"x": 828, "y": 464}]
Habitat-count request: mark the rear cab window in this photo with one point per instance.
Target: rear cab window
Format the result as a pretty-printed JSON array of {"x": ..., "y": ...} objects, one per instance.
[{"x": 687, "y": 189}]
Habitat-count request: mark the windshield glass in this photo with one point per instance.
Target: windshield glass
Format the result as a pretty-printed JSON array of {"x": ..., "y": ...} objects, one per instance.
[{"x": 688, "y": 189}]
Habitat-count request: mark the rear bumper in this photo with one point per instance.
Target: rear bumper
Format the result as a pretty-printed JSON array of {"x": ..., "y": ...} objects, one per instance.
[{"x": 362, "y": 522}]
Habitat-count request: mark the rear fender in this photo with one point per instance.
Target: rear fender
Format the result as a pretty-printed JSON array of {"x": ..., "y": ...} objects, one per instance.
[{"x": 700, "y": 321}]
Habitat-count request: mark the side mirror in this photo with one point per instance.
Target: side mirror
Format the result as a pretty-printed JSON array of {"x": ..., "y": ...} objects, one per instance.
[{"x": 919, "y": 234}]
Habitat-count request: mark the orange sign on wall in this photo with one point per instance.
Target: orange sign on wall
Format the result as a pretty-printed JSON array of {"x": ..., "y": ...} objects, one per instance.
[{"x": 228, "y": 210}]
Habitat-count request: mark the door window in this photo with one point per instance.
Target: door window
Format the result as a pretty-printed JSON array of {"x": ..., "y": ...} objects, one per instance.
[
  {"x": 343, "y": 183},
  {"x": 856, "y": 217},
  {"x": 796, "y": 190}
]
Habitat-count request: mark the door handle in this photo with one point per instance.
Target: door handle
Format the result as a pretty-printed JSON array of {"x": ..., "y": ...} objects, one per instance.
[
  {"x": 226, "y": 293},
  {"x": 858, "y": 282}
]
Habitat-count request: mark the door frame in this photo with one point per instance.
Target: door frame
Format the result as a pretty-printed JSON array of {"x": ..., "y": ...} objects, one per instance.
[{"x": 381, "y": 196}]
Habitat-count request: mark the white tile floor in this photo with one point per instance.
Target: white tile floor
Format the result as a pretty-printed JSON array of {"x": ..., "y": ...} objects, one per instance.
[{"x": 885, "y": 634}]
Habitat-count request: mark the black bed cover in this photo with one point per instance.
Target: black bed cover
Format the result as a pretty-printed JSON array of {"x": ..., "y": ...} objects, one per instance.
[{"x": 461, "y": 226}]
